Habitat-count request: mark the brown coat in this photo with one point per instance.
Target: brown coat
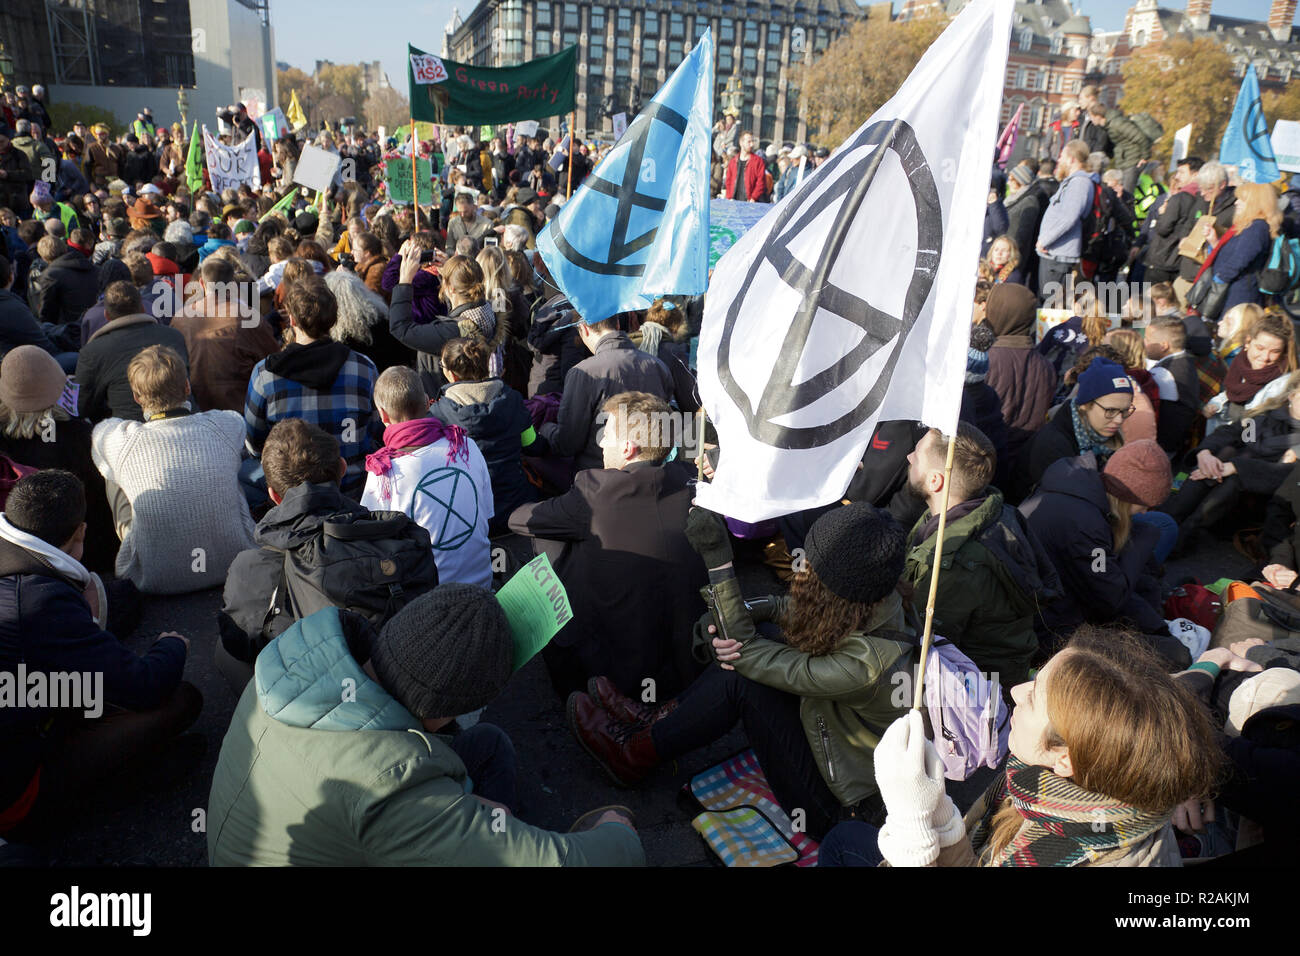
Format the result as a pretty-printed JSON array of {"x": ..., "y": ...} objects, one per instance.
[
  {"x": 372, "y": 275},
  {"x": 102, "y": 163},
  {"x": 223, "y": 352}
]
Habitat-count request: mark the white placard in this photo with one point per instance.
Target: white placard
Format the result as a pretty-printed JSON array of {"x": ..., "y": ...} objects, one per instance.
[
  {"x": 620, "y": 126},
  {"x": 427, "y": 69},
  {"x": 526, "y": 128},
  {"x": 230, "y": 167},
  {"x": 1286, "y": 145},
  {"x": 1182, "y": 141},
  {"x": 316, "y": 168}
]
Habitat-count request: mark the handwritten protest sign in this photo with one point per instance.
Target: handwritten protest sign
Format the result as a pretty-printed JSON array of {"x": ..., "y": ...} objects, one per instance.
[
  {"x": 536, "y": 607},
  {"x": 316, "y": 168},
  {"x": 526, "y": 128},
  {"x": 230, "y": 167},
  {"x": 620, "y": 126},
  {"x": 427, "y": 68},
  {"x": 397, "y": 175}
]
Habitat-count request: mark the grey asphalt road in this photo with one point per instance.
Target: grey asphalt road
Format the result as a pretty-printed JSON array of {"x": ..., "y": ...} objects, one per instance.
[{"x": 154, "y": 817}]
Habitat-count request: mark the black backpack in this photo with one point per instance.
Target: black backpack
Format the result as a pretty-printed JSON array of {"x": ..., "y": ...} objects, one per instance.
[
  {"x": 1103, "y": 241},
  {"x": 373, "y": 563}
]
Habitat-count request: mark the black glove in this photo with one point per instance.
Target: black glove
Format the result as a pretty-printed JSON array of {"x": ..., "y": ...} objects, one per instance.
[{"x": 707, "y": 532}]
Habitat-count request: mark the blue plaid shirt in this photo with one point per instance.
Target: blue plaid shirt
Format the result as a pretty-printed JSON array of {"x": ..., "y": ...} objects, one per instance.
[{"x": 346, "y": 411}]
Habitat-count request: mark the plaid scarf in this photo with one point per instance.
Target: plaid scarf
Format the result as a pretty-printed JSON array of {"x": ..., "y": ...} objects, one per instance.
[{"x": 1067, "y": 825}]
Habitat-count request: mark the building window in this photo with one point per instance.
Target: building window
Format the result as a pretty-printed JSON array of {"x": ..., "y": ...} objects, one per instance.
[
  {"x": 724, "y": 60},
  {"x": 701, "y": 24},
  {"x": 571, "y": 16},
  {"x": 821, "y": 41},
  {"x": 1019, "y": 84},
  {"x": 1026, "y": 39},
  {"x": 596, "y": 21},
  {"x": 749, "y": 61},
  {"x": 773, "y": 40},
  {"x": 623, "y": 50},
  {"x": 767, "y": 128},
  {"x": 674, "y": 53},
  {"x": 542, "y": 43},
  {"x": 676, "y": 26},
  {"x": 1056, "y": 43},
  {"x": 542, "y": 15},
  {"x": 650, "y": 28},
  {"x": 751, "y": 33},
  {"x": 649, "y": 52},
  {"x": 727, "y": 32},
  {"x": 624, "y": 25}
]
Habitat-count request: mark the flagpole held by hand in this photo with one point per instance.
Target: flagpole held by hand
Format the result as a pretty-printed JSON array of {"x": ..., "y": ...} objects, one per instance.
[
  {"x": 918, "y": 692},
  {"x": 415, "y": 182}
]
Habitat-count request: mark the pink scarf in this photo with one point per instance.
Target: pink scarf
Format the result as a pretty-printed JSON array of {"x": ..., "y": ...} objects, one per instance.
[{"x": 416, "y": 433}]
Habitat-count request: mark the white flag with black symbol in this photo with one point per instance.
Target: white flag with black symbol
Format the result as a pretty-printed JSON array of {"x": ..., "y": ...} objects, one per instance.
[{"x": 850, "y": 302}]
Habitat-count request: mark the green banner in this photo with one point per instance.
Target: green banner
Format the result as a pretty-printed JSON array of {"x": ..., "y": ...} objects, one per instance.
[
  {"x": 456, "y": 94},
  {"x": 397, "y": 174}
]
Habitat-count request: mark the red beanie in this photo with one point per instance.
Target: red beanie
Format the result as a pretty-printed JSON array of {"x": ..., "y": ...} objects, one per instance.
[{"x": 1138, "y": 473}]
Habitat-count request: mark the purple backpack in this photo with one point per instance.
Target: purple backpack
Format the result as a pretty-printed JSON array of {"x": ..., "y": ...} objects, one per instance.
[{"x": 966, "y": 711}]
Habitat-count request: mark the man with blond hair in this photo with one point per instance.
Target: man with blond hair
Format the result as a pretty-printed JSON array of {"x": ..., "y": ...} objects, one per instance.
[
  {"x": 617, "y": 540},
  {"x": 172, "y": 482}
]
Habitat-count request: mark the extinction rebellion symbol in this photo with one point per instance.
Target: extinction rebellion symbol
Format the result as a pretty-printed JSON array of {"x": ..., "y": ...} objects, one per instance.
[
  {"x": 627, "y": 196},
  {"x": 781, "y": 395}
]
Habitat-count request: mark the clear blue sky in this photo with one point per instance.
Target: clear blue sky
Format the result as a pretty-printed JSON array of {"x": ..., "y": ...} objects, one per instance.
[{"x": 351, "y": 32}]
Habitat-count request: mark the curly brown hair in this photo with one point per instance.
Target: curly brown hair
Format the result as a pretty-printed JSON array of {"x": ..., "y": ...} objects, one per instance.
[{"x": 817, "y": 619}]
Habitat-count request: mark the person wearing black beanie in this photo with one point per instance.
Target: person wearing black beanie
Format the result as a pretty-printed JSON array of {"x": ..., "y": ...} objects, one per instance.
[{"x": 813, "y": 700}]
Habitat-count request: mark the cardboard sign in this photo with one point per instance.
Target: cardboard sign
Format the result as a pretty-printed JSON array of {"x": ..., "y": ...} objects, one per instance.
[
  {"x": 397, "y": 176},
  {"x": 427, "y": 68},
  {"x": 316, "y": 168},
  {"x": 1286, "y": 145},
  {"x": 536, "y": 607},
  {"x": 230, "y": 167},
  {"x": 620, "y": 126}
]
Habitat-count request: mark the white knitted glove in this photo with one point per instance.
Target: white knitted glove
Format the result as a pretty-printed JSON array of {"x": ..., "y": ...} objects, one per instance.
[{"x": 909, "y": 772}]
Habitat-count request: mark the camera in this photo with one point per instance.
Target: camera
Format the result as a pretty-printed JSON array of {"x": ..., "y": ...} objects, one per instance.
[{"x": 348, "y": 261}]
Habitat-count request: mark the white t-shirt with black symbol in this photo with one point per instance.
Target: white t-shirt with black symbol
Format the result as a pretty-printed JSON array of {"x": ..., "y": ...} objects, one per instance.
[{"x": 452, "y": 500}]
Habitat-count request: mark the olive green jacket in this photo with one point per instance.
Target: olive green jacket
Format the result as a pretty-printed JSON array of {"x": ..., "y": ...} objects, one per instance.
[
  {"x": 992, "y": 571},
  {"x": 849, "y": 696}
]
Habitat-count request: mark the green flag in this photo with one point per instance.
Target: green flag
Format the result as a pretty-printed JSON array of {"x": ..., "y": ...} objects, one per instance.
[
  {"x": 457, "y": 94},
  {"x": 282, "y": 205},
  {"x": 194, "y": 163}
]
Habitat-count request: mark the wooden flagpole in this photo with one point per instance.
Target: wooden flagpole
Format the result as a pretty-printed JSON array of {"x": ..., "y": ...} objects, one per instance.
[
  {"x": 415, "y": 180},
  {"x": 699, "y": 444},
  {"x": 573, "y": 122},
  {"x": 918, "y": 693}
]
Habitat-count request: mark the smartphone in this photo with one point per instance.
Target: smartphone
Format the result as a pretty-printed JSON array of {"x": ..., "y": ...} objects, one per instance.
[
  {"x": 489, "y": 240},
  {"x": 426, "y": 256}
]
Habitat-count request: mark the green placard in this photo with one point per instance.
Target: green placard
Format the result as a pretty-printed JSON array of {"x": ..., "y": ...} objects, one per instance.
[
  {"x": 479, "y": 96},
  {"x": 397, "y": 174},
  {"x": 536, "y": 606}
]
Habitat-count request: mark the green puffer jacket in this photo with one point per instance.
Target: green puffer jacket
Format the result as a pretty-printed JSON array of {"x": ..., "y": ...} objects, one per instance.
[
  {"x": 322, "y": 767},
  {"x": 1132, "y": 146},
  {"x": 993, "y": 568},
  {"x": 849, "y": 696}
]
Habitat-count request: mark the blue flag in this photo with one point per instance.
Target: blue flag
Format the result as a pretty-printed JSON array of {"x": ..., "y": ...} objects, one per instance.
[
  {"x": 1245, "y": 142},
  {"x": 638, "y": 227}
]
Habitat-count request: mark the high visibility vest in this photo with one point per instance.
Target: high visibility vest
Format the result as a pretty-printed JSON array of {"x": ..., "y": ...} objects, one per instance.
[{"x": 1147, "y": 192}]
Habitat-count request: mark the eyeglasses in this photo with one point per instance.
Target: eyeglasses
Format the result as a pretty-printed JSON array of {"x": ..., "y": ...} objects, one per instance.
[{"x": 1114, "y": 413}]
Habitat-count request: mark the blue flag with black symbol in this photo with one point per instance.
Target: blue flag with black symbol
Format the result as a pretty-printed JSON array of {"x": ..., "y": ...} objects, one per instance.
[
  {"x": 1245, "y": 142},
  {"x": 638, "y": 227}
]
